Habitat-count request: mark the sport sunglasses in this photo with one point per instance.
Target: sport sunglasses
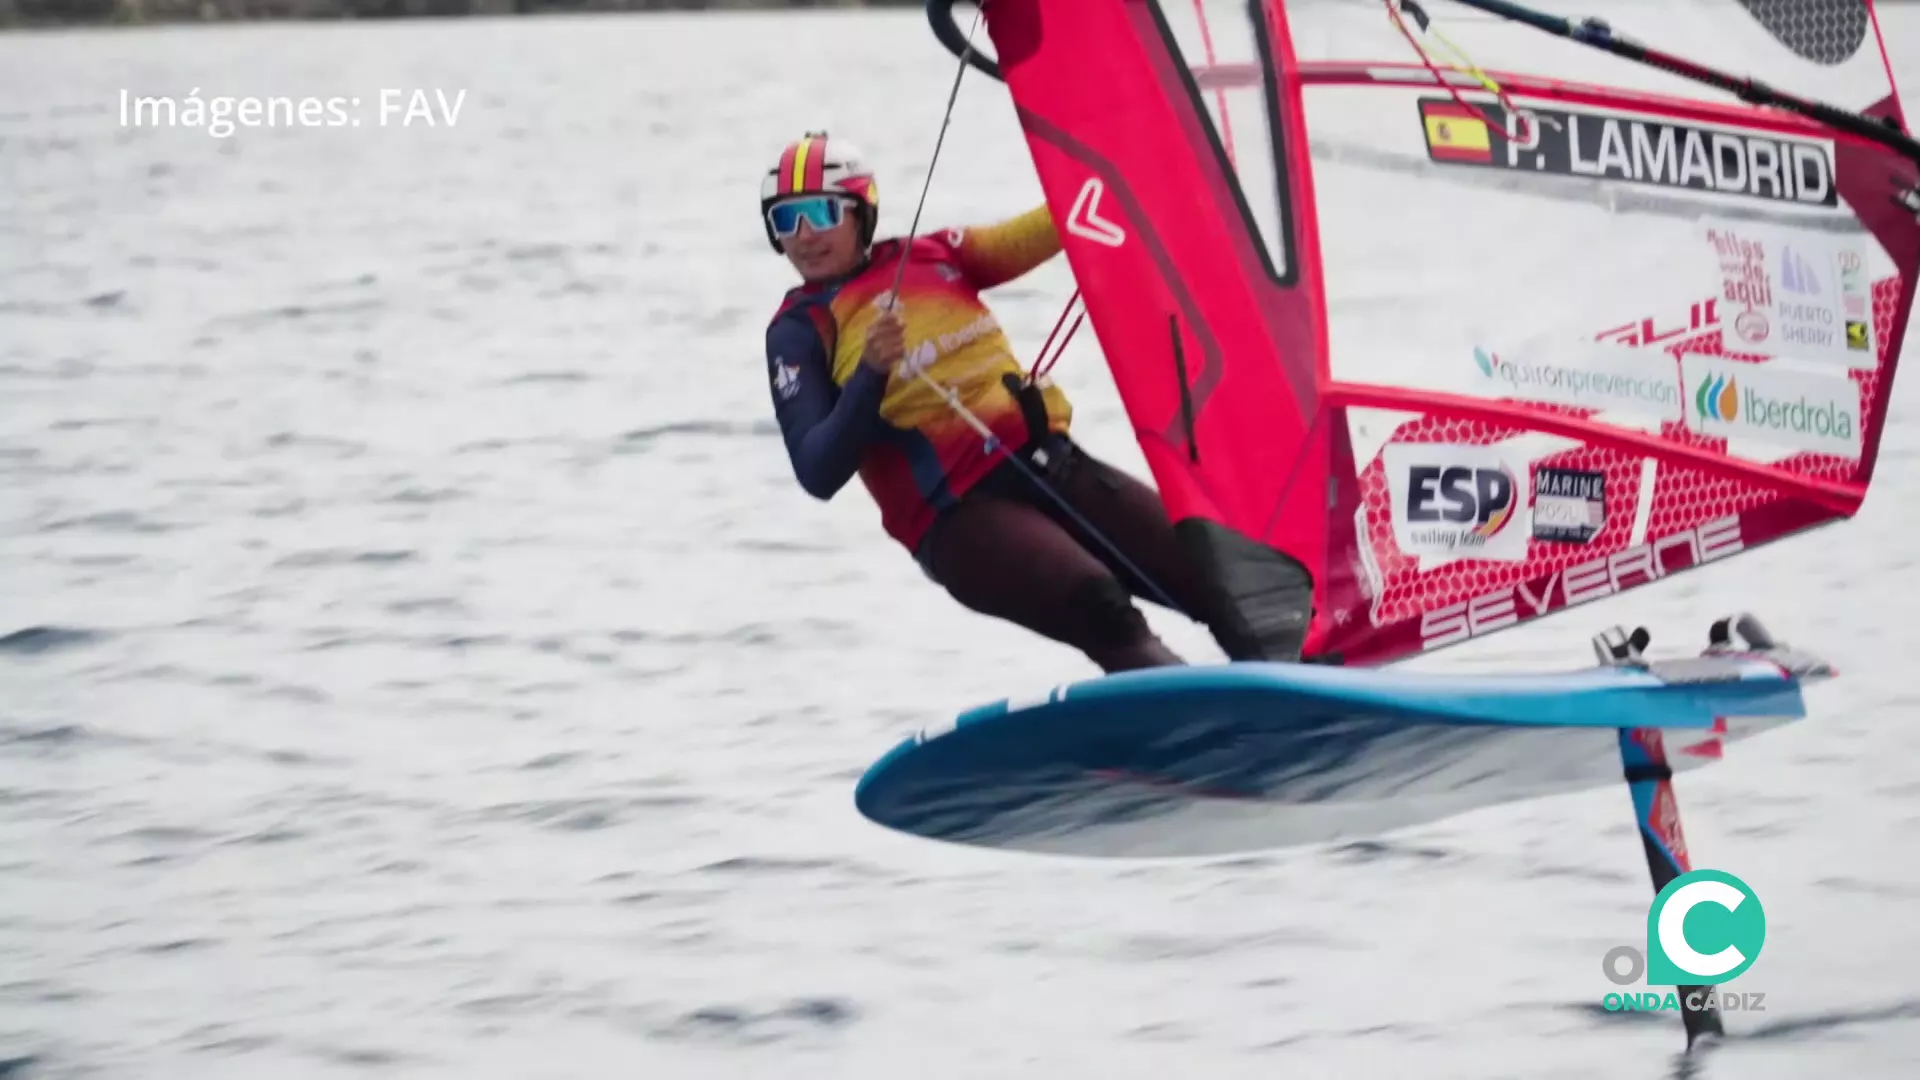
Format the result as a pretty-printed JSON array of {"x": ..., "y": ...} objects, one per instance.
[{"x": 820, "y": 212}]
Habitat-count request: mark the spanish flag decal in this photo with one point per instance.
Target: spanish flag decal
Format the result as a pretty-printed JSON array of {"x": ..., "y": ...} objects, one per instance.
[{"x": 1455, "y": 133}]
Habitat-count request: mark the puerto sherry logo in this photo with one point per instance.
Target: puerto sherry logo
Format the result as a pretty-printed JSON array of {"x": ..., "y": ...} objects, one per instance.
[
  {"x": 1797, "y": 275},
  {"x": 1793, "y": 292},
  {"x": 1631, "y": 149},
  {"x": 1705, "y": 928}
]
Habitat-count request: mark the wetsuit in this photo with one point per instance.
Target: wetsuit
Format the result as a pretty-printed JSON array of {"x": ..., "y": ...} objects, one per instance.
[{"x": 976, "y": 525}]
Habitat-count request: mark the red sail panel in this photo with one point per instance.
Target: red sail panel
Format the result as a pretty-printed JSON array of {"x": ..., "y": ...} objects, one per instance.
[{"x": 1180, "y": 210}]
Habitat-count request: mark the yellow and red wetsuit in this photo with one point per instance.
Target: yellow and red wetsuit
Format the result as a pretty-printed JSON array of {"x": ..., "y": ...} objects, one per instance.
[{"x": 916, "y": 456}]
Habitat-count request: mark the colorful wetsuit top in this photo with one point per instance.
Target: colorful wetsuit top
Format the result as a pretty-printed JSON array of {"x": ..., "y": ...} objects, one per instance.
[{"x": 915, "y": 454}]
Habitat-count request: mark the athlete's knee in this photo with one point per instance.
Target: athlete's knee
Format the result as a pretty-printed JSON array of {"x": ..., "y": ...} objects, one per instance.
[{"x": 1104, "y": 614}]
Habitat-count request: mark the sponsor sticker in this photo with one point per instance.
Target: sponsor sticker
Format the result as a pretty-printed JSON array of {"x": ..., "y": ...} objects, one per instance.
[
  {"x": 1797, "y": 411},
  {"x": 1569, "y": 505},
  {"x": 1605, "y": 377},
  {"x": 1794, "y": 293},
  {"x": 1457, "y": 501},
  {"x": 1600, "y": 145}
]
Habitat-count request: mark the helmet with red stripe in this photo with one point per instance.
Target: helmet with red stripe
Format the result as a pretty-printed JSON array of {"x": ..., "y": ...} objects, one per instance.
[{"x": 816, "y": 165}]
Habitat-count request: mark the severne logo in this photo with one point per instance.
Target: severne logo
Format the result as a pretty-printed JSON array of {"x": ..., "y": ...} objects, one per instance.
[
  {"x": 1084, "y": 219},
  {"x": 1595, "y": 579}
]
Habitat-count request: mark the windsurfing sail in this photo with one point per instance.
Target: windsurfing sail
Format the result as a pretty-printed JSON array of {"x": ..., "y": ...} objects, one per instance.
[{"x": 1417, "y": 352}]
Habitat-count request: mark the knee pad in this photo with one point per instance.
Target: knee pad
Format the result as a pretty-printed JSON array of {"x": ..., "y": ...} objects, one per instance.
[{"x": 1105, "y": 613}]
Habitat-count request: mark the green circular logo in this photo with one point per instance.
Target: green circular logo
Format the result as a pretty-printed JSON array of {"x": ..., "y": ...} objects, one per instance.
[{"x": 1705, "y": 928}]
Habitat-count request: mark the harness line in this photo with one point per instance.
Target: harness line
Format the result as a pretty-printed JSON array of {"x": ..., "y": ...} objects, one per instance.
[{"x": 1523, "y": 132}]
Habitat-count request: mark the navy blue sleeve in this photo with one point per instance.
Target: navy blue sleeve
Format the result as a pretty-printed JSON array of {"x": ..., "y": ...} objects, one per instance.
[{"x": 826, "y": 427}]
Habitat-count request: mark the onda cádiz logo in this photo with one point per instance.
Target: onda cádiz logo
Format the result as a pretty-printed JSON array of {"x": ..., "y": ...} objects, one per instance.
[{"x": 1705, "y": 928}]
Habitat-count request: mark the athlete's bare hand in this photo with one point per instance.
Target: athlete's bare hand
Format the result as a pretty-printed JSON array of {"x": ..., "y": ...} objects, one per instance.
[{"x": 886, "y": 342}]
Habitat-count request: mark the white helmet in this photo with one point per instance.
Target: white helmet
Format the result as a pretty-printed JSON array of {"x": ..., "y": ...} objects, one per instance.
[{"x": 814, "y": 165}]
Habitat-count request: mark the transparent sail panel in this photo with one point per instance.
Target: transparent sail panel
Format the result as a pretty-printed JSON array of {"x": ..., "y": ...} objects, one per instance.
[
  {"x": 1223, "y": 44},
  {"x": 1590, "y": 336},
  {"x": 1725, "y": 298}
]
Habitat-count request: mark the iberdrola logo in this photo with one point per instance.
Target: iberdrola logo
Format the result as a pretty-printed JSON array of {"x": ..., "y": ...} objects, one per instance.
[{"x": 1718, "y": 398}]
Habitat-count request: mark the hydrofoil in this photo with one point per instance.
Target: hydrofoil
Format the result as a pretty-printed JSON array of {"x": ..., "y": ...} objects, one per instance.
[{"x": 1243, "y": 757}]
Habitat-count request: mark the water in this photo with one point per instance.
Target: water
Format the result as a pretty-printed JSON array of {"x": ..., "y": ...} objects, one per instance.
[{"x": 420, "y": 662}]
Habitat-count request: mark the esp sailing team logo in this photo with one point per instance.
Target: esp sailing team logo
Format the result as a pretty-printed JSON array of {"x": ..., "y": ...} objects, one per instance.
[{"x": 1456, "y": 501}]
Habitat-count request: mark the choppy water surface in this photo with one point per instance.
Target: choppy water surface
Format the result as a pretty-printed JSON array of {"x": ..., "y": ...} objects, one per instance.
[{"x": 415, "y": 658}]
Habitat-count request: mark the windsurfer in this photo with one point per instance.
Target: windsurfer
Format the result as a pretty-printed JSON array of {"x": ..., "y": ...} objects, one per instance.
[{"x": 845, "y": 356}]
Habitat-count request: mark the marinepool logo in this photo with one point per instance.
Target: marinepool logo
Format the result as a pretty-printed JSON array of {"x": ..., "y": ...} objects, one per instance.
[
  {"x": 1606, "y": 378},
  {"x": 1704, "y": 929},
  {"x": 1820, "y": 413}
]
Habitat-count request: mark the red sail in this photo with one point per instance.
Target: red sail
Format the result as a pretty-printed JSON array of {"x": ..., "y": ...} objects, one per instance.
[
  {"x": 1417, "y": 363},
  {"x": 1203, "y": 294}
]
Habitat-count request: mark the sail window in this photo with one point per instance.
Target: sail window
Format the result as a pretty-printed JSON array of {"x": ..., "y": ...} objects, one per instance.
[{"x": 1224, "y": 49}]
